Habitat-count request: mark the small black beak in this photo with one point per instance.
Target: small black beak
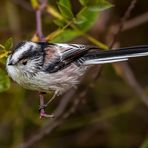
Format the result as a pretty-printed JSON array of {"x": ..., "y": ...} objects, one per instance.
[{"x": 10, "y": 62}]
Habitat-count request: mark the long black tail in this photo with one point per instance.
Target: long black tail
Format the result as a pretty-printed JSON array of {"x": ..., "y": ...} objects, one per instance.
[{"x": 121, "y": 54}]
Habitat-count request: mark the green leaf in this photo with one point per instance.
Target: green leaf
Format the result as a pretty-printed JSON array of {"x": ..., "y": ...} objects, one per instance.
[
  {"x": 83, "y": 21},
  {"x": 65, "y": 36},
  {"x": 66, "y": 3},
  {"x": 8, "y": 44},
  {"x": 80, "y": 17},
  {"x": 96, "y": 5},
  {"x": 4, "y": 81},
  {"x": 86, "y": 18},
  {"x": 65, "y": 9},
  {"x": 101, "y": 6}
]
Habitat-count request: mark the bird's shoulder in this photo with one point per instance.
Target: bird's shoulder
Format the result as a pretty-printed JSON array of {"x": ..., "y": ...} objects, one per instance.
[{"x": 59, "y": 49}]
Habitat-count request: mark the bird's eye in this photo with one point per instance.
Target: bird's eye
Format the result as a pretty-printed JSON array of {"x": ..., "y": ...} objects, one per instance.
[{"x": 24, "y": 62}]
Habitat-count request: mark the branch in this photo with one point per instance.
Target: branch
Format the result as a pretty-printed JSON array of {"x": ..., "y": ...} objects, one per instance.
[
  {"x": 128, "y": 76},
  {"x": 123, "y": 20},
  {"x": 139, "y": 20},
  {"x": 38, "y": 13},
  {"x": 51, "y": 124},
  {"x": 132, "y": 23},
  {"x": 127, "y": 73}
]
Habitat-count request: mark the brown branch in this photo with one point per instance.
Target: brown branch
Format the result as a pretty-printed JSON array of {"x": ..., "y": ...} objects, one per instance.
[
  {"x": 123, "y": 20},
  {"x": 38, "y": 13},
  {"x": 139, "y": 20},
  {"x": 51, "y": 124},
  {"x": 132, "y": 23},
  {"x": 128, "y": 76},
  {"x": 127, "y": 73},
  {"x": 82, "y": 94}
]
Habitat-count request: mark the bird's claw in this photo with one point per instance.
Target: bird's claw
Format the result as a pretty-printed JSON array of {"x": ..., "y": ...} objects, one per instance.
[
  {"x": 44, "y": 115},
  {"x": 42, "y": 112}
]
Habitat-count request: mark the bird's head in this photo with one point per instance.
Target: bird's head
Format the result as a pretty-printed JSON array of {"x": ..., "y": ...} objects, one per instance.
[{"x": 25, "y": 59}]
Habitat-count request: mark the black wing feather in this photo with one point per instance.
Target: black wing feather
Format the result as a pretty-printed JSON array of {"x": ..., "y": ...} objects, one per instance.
[{"x": 71, "y": 54}]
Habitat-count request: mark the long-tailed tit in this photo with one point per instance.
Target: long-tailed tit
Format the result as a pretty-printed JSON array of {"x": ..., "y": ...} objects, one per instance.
[{"x": 46, "y": 67}]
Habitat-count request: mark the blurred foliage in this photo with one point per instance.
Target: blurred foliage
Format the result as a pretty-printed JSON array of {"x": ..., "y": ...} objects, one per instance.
[
  {"x": 4, "y": 81},
  {"x": 111, "y": 114},
  {"x": 4, "y": 51}
]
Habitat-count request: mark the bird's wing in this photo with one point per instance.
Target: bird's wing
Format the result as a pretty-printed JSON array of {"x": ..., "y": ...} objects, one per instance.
[{"x": 59, "y": 56}]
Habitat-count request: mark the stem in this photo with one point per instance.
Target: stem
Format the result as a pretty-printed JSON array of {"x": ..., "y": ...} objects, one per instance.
[
  {"x": 38, "y": 13},
  {"x": 56, "y": 14},
  {"x": 90, "y": 38},
  {"x": 39, "y": 25}
]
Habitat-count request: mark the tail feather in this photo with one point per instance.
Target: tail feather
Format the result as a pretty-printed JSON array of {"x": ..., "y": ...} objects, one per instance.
[{"x": 118, "y": 55}]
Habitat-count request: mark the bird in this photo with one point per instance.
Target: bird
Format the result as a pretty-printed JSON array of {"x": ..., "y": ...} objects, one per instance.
[{"x": 56, "y": 67}]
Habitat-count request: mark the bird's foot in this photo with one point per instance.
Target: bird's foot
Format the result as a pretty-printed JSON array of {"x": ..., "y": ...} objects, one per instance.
[{"x": 43, "y": 114}]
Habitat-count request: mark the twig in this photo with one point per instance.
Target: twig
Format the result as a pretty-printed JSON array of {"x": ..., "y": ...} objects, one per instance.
[
  {"x": 128, "y": 74},
  {"x": 105, "y": 114},
  {"x": 124, "y": 18},
  {"x": 38, "y": 13},
  {"x": 80, "y": 32},
  {"x": 139, "y": 20},
  {"x": 51, "y": 124},
  {"x": 82, "y": 94},
  {"x": 129, "y": 77},
  {"x": 132, "y": 23},
  {"x": 39, "y": 32}
]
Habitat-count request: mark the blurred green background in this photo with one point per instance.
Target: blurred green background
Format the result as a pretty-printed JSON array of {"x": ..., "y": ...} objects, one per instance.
[{"x": 112, "y": 112}]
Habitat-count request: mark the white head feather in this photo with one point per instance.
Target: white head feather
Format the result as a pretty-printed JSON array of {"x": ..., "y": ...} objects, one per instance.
[{"x": 24, "y": 48}]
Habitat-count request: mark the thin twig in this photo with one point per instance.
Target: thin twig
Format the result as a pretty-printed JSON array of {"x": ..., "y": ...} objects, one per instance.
[
  {"x": 129, "y": 77},
  {"x": 80, "y": 32},
  {"x": 51, "y": 124},
  {"x": 38, "y": 25},
  {"x": 82, "y": 94},
  {"x": 128, "y": 74},
  {"x": 38, "y": 13},
  {"x": 139, "y": 20},
  {"x": 123, "y": 20},
  {"x": 132, "y": 23}
]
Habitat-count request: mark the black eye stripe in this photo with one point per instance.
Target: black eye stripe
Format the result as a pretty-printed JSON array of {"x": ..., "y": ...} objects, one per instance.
[
  {"x": 31, "y": 53},
  {"x": 26, "y": 54}
]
